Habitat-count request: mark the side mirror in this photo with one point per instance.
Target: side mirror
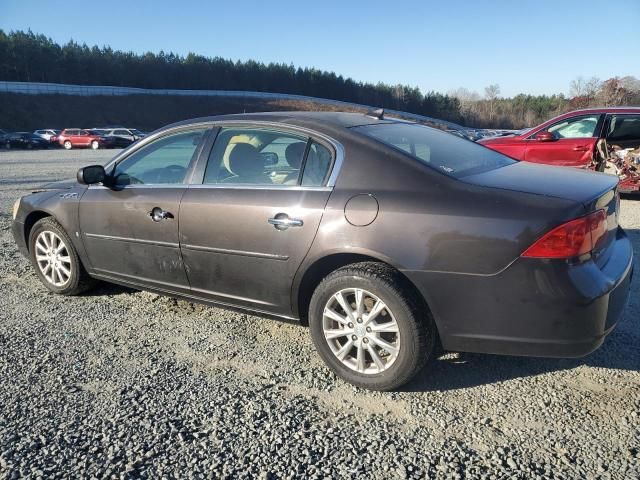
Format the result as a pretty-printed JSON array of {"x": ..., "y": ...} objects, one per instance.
[
  {"x": 544, "y": 137},
  {"x": 91, "y": 175}
]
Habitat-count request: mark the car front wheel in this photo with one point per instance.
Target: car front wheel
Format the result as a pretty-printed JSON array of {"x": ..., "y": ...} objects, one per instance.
[
  {"x": 369, "y": 326},
  {"x": 95, "y": 145},
  {"x": 67, "y": 145},
  {"x": 55, "y": 259}
]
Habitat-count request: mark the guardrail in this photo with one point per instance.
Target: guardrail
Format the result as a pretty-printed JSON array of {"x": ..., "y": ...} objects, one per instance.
[{"x": 36, "y": 88}]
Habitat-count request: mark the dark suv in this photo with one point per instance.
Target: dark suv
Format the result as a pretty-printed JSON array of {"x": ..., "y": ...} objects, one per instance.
[{"x": 123, "y": 137}]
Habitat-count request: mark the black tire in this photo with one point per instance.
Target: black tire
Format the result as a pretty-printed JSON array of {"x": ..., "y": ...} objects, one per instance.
[
  {"x": 416, "y": 326},
  {"x": 79, "y": 280}
]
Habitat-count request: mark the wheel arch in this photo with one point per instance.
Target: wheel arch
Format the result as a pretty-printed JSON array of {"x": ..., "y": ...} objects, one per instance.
[
  {"x": 323, "y": 266},
  {"x": 31, "y": 220}
]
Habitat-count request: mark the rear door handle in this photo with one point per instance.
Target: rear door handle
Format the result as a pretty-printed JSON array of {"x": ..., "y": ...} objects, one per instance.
[
  {"x": 158, "y": 214},
  {"x": 281, "y": 221}
]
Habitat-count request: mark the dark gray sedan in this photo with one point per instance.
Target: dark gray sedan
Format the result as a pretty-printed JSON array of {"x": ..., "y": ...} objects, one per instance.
[{"x": 390, "y": 239}]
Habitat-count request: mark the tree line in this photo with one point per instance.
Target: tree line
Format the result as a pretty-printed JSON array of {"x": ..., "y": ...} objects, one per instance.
[
  {"x": 492, "y": 111},
  {"x": 30, "y": 57}
]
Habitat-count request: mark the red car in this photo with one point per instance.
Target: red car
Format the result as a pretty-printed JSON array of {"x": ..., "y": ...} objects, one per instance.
[
  {"x": 602, "y": 139},
  {"x": 77, "y": 137}
]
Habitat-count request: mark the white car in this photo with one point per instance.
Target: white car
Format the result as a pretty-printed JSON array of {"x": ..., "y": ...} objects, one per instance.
[{"x": 47, "y": 133}]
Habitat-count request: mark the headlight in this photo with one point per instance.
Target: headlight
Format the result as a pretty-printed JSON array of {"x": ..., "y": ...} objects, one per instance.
[{"x": 16, "y": 207}]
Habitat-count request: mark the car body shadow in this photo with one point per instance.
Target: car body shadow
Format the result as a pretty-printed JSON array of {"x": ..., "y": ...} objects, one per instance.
[{"x": 620, "y": 351}]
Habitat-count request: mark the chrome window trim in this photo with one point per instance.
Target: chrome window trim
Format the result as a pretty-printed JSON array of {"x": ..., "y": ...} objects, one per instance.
[
  {"x": 236, "y": 186},
  {"x": 339, "y": 153},
  {"x": 248, "y": 186}
]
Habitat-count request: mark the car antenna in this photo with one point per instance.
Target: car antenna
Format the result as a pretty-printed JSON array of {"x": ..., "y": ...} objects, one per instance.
[{"x": 377, "y": 113}]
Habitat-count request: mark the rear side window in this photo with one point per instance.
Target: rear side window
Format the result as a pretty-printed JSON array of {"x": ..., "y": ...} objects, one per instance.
[
  {"x": 441, "y": 151},
  {"x": 317, "y": 165},
  {"x": 624, "y": 128},
  {"x": 260, "y": 156}
]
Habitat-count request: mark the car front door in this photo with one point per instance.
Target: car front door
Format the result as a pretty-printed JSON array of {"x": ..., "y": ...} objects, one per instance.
[
  {"x": 130, "y": 228},
  {"x": 572, "y": 142},
  {"x": 249, "y": 222}
]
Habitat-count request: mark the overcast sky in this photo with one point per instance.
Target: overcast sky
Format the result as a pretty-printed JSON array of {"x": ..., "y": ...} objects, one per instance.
[{"x": 530, "y": 47}]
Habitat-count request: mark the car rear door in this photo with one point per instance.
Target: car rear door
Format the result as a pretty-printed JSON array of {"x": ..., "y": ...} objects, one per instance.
[
  {"x": 130, "y": 229},
  {"x": 250, "y": 217},
  {"x": 574, "y": 142}
]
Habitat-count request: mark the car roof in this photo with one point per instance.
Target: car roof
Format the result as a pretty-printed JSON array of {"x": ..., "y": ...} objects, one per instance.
[
  {"x": 605, "y": 110},
  {"x": 300, "y": 118}
]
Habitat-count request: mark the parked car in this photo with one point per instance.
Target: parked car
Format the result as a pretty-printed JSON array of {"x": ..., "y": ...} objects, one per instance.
[
  {"x": 123, "y": 137},
  {"x": 386, "y": 237},
  {"x": 49, "y": 134},
  {"x": 105, "y": 140},
  {"x": 602, "y": 139},
  {"x": 25, "y": 140},
  {"x": 76, "y": 137}
]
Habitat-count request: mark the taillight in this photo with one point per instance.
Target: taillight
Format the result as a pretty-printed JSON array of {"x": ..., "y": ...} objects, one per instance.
[{"x": 571, "y": 239}]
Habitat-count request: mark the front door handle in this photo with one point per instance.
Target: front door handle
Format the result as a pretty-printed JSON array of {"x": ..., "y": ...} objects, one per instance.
[
  {"x": 281, "y": 221},
  {"x": 581, "y": 148},
  {"x": 158, "y": 214}
]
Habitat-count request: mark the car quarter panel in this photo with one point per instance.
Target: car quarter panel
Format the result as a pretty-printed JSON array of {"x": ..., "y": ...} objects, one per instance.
[{"x": 428, "y": 221}]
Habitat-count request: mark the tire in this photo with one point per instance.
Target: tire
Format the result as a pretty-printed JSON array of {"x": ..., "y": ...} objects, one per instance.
[
  {"x": 7, "y": 146},
  {"x": 29, "y": 146},
  {"x": 47, "y": 232},
  {"x": 95, "y": 145},
  {"x": 414, "y": 336},
  {"x": 67, "y": 145}
]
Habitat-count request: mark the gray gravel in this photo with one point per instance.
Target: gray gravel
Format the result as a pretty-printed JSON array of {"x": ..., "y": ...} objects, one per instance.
[{"x": 127, "y": 384}]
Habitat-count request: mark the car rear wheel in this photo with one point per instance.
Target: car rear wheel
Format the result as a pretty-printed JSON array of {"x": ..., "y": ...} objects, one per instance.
[
  {"x": 55, "y": 259},
  {"x": 7, "y": 146},
  {"x": 369, "y": 327},
  {"x": 67, "y": 145},
  {"x": 95, "y": 145}
]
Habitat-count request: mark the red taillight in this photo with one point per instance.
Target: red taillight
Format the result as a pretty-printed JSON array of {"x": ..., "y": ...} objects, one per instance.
[{"x": 571, "y": 239}]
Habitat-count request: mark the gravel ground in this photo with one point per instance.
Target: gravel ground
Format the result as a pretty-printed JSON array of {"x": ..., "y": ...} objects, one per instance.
[{"x": 120, "y": 383}]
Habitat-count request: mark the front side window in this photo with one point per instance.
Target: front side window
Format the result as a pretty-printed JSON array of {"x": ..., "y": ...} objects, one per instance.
[
  {"x": 256, "y": 156},
  {"x": 163, "y": 161},
  {"x": 441, "y": 151},
  {"x": 575, "y": 127}
]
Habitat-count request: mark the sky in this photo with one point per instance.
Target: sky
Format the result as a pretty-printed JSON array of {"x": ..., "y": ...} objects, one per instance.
[{"x": 534, "y": 47}]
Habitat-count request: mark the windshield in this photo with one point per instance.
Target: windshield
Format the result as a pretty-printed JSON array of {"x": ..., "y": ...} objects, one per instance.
[
  {"x": 441, "y": 151},
  {"x": 135, "y": 131}
]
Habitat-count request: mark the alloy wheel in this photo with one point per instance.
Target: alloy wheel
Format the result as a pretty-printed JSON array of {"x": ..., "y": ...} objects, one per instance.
[
  {"x": 361, "y": 331},
  {"x": 52, "y": 256}
]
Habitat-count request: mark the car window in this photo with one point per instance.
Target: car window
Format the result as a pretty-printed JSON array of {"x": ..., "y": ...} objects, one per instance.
[
  {"x": 255, "y": 157},
  {"x": 575, "y": 127},
  {"x": 163, "y": 161},
  {"x": 316, "y": 166},
  {"x": 120, "y": 132},
  {"x": 624, "y": 127},
  {"x": 446, "y": 153}
]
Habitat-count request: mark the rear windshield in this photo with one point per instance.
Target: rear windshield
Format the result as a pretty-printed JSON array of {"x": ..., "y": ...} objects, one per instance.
[{"x": 441, "y": 151}]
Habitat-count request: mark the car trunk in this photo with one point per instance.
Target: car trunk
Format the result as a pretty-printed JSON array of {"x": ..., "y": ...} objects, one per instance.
[{"x": 594, "y": 191}]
